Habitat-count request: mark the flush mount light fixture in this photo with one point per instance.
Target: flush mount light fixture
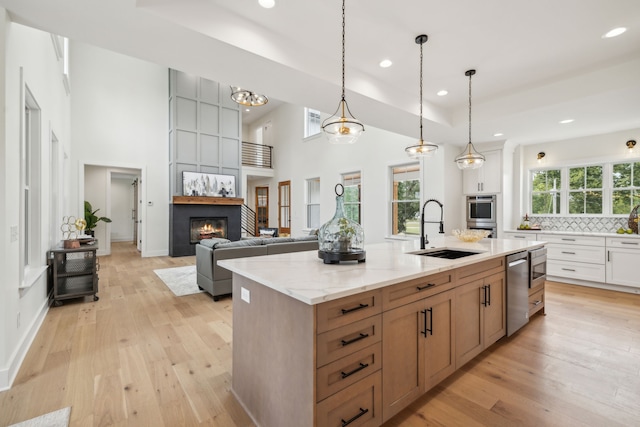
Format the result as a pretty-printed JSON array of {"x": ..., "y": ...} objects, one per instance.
[
  {"x": 247, "y": 98},
  {"x": 470, "y": 158},
  {"x": 421, "y": 149},
  {"x": 614, "y": 33},
  {"x": 343, "y": 129}
]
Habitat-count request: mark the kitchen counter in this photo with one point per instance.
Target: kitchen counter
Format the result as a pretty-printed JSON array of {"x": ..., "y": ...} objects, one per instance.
[
  {"x": 303, "y": 276},
  {"x": 574, "y": 233}
]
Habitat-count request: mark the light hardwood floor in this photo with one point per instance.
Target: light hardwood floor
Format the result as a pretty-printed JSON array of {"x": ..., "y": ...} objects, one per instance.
[{"x": 142, "y": 357}]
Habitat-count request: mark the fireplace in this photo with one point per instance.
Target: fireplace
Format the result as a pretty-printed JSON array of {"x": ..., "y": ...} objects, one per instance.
[{"x": 207, "y": 228}]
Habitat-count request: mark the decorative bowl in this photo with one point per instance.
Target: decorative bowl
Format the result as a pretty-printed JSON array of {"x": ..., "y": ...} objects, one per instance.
[{"x": 470, "y": 235}]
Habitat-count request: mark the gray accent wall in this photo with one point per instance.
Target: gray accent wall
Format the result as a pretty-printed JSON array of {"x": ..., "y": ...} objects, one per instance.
[{"x": 205, "y": 129}]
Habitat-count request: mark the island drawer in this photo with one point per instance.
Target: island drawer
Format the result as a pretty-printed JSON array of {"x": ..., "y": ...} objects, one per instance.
[
  {"x": 358, "y": 405},
  {"x": 416, "y": 289},
  {"x": 480, "y": 270},
  {"x": 340, "y": 312},
  {"x": 348, "y": 370},
  {"x": 337, "y": 343},
  {"x": 536, "y": 300}
]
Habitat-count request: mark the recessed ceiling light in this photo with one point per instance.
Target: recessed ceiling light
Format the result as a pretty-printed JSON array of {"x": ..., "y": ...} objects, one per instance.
[
  {"x": 565, "y": 121},
  {"x": 442, "y": 92},
  {"x": 267, "y": 4},
  {"x": 498, "y": 134},
  {"x": 614, "y": 33},
  {"x": 386, "y": 63},
  {"x": 247, "y": 110}
]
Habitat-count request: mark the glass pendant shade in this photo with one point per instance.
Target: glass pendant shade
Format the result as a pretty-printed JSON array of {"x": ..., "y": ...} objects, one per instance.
[
  {"x": 421, "y": 149},
  {"x": 247, "y": 98},
  {"x": 342, "y": 129},
  {"x": 470, "y": 158},
  {"x": 341, "y": 239}
]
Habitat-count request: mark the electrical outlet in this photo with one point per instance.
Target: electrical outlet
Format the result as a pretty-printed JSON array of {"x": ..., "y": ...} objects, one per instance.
[{"x": 245, "y": 295}]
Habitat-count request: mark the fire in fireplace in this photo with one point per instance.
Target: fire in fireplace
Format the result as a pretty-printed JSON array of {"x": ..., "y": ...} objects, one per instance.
[{"x": 207, "y": 228}]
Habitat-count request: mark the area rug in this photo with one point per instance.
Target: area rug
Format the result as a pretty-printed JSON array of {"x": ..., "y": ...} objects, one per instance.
[
  {"x": 59, "y": 418},
  {"x": 181, "y": 280}
]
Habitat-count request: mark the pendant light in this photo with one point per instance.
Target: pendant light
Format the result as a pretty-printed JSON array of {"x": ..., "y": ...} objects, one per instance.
[
  {"x": 343, "y": 129},
  {"x": 470, "y": 158},
  {"x": 421, "y": 149}
]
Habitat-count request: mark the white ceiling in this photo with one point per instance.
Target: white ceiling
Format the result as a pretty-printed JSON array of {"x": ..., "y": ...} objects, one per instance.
[{"x": 538, "y": 62}]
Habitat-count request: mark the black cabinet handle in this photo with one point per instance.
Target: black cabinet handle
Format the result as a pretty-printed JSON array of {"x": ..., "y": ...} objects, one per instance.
[
  {"x": 568, "y": 269},
  {"x": 484, "y": 291},
  {"x": 430, "y": 330},
  {"x": 358, "y": 338},
  {"x": 489, "y": 293},
  {"x": 568, "y": 253},
  {"x": 568, "y": 240},
  {"x": 429, "y": 285},
  {"x": 352, "y": 419},
  {"x": 349, "y": 310},
  {"x": 358, "y": 369},
  {"x": 425, "y": 323}
]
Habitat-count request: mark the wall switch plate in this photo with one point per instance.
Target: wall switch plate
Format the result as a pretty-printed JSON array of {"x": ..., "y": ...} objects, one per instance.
[{"x": 245, "y": 295}]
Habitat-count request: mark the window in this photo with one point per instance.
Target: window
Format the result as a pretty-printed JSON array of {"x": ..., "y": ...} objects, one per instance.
[
  {"x": 585, "y": 190},
  {"x": 626, "y": 187},
  {"x": 313, "y": 203},
  {"x": 352, "y": 196},
  {"x": 405, "y": 199},
  {"x": 32, "y": 257},
  {"x": 545, "y": 191},
  {"x": 311, "y": 122}
]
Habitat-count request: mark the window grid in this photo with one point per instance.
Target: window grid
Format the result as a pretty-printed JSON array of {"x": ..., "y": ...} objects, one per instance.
[
  {"x": 352, "y": 183},
  {"x": 585, "y": 190},
  {"x": 313, "y": 203},
  {"x": 311, "y": 122},
  {"x": 625, "y": 194},
  {"x": 405, "y": 199}
]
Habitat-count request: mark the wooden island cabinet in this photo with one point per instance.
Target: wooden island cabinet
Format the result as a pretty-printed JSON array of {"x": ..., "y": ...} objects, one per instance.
[{"x": 358, "y": 359}]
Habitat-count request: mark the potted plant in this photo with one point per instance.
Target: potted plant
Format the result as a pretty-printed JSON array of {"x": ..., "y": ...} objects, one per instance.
[{"x": 91, "y": 218}]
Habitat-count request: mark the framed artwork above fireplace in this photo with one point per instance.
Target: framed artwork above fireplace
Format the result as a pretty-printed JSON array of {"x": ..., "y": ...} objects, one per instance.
[{"x": 208, "y": 184}]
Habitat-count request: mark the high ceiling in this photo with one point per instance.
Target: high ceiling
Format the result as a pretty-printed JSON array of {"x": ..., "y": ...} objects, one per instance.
[{"x": 538, "y": 62}]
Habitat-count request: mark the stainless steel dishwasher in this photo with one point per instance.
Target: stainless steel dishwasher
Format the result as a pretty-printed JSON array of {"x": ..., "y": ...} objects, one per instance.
[{"x": 517, "y": 291}]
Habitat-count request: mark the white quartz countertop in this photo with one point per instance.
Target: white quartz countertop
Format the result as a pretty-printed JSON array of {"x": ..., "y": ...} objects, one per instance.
[
  {"x": 303, "y": 276},
  {"x": 574, "y": 233}
]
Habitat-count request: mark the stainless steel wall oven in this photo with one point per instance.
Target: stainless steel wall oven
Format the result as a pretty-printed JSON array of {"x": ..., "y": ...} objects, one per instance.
[{"x": 481, "y": 214}]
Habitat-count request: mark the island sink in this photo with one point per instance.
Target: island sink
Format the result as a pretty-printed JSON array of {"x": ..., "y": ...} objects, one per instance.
[{"x": 445, "y": 253}]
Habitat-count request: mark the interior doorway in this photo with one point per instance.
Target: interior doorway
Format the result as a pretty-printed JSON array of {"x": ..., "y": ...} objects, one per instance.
[
  {"x": 262, "y": 208},
  {"x": 284, "y": 208}
]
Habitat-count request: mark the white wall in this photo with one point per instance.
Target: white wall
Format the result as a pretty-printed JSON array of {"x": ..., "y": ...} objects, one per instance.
[
  {"x": 121, "y": 209},
  {"x": 120, "y": 120},
  {"x": 376, "y": 150},
  {"x": 32, "y": 51}
]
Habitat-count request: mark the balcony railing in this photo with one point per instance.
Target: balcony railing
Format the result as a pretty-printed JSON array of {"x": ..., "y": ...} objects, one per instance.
[{"x": 257, "y": 155}]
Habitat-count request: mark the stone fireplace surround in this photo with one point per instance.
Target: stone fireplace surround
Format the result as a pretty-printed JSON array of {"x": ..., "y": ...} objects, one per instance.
[{"x": 184, "y": 208}]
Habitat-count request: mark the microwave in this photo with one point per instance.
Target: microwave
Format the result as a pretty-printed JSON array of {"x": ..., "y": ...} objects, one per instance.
[{"x": 481, "y": 210}]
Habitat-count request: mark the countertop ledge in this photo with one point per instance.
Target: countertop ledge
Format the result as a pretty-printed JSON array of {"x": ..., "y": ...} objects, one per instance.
[
  {"x": 303, "y": 276},
  {"x": 575, "y": 233}
]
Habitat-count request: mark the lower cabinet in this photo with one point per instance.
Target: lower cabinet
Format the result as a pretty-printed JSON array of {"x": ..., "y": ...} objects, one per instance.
[
  {"x": 623, "y": 256},
  {"x": 418, "y": 349},
  {"x": 481, "y": 316}
]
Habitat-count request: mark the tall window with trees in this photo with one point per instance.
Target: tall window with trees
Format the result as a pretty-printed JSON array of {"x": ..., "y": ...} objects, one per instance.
[
  {"x": 352, "y": 196},
  {"x": 545, "y": 191},
  {"x": 405, "y": 199},
  {"x": 626, "y": 187},
  {"x": 585, "y": 190}
]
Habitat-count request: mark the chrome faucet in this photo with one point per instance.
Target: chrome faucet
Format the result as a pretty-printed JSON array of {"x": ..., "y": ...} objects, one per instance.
[{"x": 423, "y": 235}]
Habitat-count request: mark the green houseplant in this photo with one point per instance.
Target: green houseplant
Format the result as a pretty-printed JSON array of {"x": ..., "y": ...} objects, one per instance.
[{"x": 91, "y": 217}]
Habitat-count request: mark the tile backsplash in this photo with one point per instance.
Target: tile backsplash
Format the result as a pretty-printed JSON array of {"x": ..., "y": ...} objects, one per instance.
[{"x": 597, "y": 224}]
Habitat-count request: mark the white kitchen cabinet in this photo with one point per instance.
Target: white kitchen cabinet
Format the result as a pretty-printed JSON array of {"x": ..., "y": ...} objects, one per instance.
[
  {"x": 575, "y": 256},
  {"x": 488, "y": 178},
  {"x": 521, "y": 235},
  {"x": 623, "y": 257}
]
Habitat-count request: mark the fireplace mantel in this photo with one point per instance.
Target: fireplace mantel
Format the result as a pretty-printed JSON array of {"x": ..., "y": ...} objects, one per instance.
[{"x": 201, "y": 200}]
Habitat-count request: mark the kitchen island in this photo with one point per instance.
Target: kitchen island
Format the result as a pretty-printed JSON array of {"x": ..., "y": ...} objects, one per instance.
[{"x": 354, "y": 343}]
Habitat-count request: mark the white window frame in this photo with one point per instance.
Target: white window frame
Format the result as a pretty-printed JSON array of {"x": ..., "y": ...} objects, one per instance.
[
  {"x": 584, "y": 190},
  {"x": 353, "y": 179},
  {"x": 312, "y": 202},
  {"x": 418, "y": 171},
  {"x": 612, "y": 189},
  {"x": 312, "y": 123}
]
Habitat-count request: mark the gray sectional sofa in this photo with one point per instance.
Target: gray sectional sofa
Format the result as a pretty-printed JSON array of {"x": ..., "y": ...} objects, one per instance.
[{"x": 217, "y": 280}]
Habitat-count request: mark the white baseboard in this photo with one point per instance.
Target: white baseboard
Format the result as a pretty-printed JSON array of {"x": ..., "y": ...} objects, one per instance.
[
  {"x": 599, "y": 285},
  {"x": 8, "y": 374}
]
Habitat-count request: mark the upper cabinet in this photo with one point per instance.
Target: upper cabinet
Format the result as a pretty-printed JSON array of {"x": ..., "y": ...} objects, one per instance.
[{"x": 488, "y": 178}]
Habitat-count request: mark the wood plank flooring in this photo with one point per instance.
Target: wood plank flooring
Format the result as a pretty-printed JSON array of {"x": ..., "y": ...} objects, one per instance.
[{"x": 141, "y": 356}]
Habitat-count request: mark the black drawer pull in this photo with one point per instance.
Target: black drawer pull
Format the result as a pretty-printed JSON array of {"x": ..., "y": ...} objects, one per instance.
[
  {"x": 568, "y": 269},
  {"x": 422, "y": 288},
  {"x": 358, "y": 369},
  {"x": 349, "y": 421},
  {"x": 569, "y": 253},
  {"x": 568, "y": 240},
  {"x": 358, "y": 338},
  {"x": 349, "y": 310}
]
